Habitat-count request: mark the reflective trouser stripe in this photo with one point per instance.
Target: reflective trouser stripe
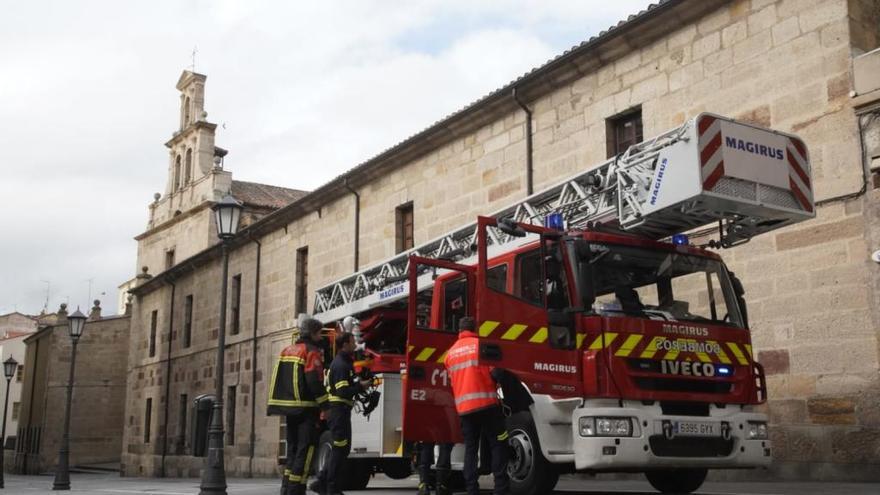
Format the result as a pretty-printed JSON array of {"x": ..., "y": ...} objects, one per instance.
[
  {"x": 475, "y": 395},
  {"x": 503, "y": 436},
  {"x": 340, "y": 443},
  {"x": 464, "y": 364},
  {"x": 308, "y": 464}
]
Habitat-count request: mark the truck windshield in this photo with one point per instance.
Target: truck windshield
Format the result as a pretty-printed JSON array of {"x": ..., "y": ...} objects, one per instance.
[{"x": 661, "y": 285}]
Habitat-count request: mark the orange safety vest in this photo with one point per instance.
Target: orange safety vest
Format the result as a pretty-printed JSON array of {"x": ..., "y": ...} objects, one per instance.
[{"x": 472, "y": 385}]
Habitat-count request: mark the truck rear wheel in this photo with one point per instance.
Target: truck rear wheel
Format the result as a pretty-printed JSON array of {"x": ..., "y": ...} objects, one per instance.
[
  {"x": 530, "y": 473},
  {"x": 677, "y": 480}
]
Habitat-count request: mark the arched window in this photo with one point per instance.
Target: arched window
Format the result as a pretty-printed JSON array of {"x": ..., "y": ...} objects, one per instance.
[
  {"x": 176, "y": 174},
  {"x": 187, "y": 174},
  {"x": 186, "y": 112}
]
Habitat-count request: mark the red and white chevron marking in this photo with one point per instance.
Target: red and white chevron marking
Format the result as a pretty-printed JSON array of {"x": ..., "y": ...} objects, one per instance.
[{"x": 712, "y": 160}]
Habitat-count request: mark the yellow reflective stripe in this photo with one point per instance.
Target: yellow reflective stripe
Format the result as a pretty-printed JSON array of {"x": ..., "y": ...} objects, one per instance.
[
  {"x": 514, "y": 331},
  {"x": 597, "y": 344},
  {"x": 322, "y": 398},
  {"x": 702, "y": 356},
  {"x": 340, "y": 443},
  {"x": 651, "y": 349},
  {"x": 580, "y": 340},
  {"x": 410, "y": 348},
  {"x": 292, "y": 359},
  {"x": 671, "y": 354},
  {"x": 342, "y": 383},
  {"x": 293, "y": 403},
  {"x": 503, "y": 436},
  {"x": 273, "y": 382},
  {"x": 628, "y": 345},
  {"x": 308, "y": 463},
  {"x": 488, "y": 327},
  {"x": 296, "y": 381},
  {"x": 334, "y": 398},
  {"x": 749, "y": 350},
  {"x": 442, "y": 357},
  {"x": 722, "y": 356},
  {"x": 738, "y": 353},
  {"x": 425, "y": 354},
  {"x": 295, "y": 478},
  {"x": 540, "y": 336},
  {"x": 287, "y": 472}
]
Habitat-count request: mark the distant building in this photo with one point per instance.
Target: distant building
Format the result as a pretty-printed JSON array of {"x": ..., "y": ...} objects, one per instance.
[
  {"x": 16, "y": 323},
  {"x": 97, "y": 415}
]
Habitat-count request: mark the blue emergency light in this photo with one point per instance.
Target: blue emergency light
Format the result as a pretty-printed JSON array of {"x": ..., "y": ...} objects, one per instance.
[
  {"x": 554, "y": 221},
  {"x": 680, "y": 240},
  {"x": 723, "y": 371}
]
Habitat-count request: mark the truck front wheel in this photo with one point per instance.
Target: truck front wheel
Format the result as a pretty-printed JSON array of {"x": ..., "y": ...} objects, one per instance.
[
  {"x": 530, "y": 473},
  {"x": 677, "y": 480}
]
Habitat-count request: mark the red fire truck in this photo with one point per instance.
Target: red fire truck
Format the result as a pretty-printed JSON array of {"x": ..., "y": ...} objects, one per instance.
[{"x": 632, "y": 342}]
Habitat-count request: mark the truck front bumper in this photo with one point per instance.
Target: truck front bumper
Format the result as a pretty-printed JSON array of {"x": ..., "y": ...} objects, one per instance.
[{"x": 670, "y": 441}]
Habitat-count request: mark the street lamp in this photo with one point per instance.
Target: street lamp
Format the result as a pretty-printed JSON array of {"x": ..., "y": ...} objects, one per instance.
[
  {"x": 75, "y": 325},
  {"x": 9, "y": 367},
  {"x": 227, "y": 214}
]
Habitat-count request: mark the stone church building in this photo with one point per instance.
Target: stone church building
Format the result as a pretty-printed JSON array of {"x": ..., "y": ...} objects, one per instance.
[{"x": 809, "y": 67}]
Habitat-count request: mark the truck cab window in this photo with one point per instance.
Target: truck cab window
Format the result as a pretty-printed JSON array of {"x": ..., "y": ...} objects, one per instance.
[
  {"x": 529, "y": 284},
  {"x": 497, "y": 278},
  {"x": 455, "y": 303}
]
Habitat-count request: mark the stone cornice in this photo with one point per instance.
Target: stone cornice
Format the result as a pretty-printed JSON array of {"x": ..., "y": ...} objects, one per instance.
[{"x": 183, "y": 134}]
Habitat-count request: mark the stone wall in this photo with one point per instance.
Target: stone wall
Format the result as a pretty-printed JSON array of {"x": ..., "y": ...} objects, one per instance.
[
  {"x": 811, "y": 291},
  {"x": 99, "y": 392}
]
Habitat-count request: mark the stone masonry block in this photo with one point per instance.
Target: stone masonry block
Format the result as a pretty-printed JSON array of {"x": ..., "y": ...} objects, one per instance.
[
  {"x": 787, "y": 411},
  {"x": 831, "y": 410},
  {"x": 822, "y": 14},
  {"x": 761, "y": 20},
  {"x": 734, "y": 33},
  {"x": 759, "y": 116},
  {"x": 752, "y": 47},
  {"x": 817, "y": 234},
  {"x": 786, "y": 31},
  {"x": 706, "y": 45},
  {"x": 774, "y": 361},
  {"x": 856, "y": 446}
]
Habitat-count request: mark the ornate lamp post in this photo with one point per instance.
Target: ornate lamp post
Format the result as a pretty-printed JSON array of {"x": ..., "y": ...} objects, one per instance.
[
  {"x": 9, "y": 367},
  {"x": 76, "y": 324},
  {"x": 227, "y": 214}
]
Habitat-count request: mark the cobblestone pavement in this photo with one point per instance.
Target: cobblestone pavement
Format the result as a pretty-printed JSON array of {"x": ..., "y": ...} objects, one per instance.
[{"x": 111, "y": 484}]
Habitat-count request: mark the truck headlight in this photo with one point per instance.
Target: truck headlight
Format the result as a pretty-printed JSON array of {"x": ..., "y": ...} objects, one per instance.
[
  {"x": 757, "y": 430},
  {"x": 605, "y": 426}
]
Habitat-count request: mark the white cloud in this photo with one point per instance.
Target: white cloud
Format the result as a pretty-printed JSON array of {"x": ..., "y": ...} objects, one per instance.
[{"x": 306, "y": 90}]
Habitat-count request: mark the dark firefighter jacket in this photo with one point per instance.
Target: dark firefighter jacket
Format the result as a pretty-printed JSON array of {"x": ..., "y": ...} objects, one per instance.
[
  {"x": 297, "y": 380},
  {"x": 341, "y": 382}
]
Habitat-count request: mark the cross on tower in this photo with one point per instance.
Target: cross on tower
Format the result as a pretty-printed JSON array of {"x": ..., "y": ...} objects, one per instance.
[{"x": 193, "y": 66}]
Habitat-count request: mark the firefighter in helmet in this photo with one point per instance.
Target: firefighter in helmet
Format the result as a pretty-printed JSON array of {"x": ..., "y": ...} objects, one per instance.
[
  {"x": 343, "y": 385},
  {"x": 297, "y": 392},
  {"x": 478, "y": 406}
]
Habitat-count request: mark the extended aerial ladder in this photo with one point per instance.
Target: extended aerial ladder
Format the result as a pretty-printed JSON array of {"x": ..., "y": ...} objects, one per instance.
[{"x": 709, "y": 171}]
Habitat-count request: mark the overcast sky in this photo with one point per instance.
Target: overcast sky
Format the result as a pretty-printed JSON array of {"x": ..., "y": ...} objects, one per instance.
[{"x": 304, "y": 91}]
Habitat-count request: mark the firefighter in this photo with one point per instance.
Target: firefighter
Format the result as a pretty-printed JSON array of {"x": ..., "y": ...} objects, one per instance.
[
  {"x": 297, "y": 392},
  {"x": 426, "y": 459},
  {"x": 343, "y": 386},
  {"x": 478, "y": 406}
]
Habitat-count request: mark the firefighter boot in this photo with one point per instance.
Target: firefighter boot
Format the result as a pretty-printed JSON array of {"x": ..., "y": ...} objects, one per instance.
[
  {"x": 318, "y": 486},
  {"x": 443, "y": 482},
  {"x": 296, "y": 489},
  {"x": 284, "y": 481}
]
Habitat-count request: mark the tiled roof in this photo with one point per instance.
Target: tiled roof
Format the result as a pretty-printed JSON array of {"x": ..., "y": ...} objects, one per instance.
[{"x": 264, "y": 195}]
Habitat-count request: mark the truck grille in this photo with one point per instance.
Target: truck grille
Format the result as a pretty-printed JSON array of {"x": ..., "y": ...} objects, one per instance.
[
  {"x": 676, "y": 385},
  {"x": 690, "y": 447}
]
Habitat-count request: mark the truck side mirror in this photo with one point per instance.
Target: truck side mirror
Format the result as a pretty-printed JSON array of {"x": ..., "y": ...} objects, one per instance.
[
  {"x": 740, "y": 292},
  {"x": 509, "y": 227}
]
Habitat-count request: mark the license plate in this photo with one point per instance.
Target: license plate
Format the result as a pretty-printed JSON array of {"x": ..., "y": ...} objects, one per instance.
[{"x": 695, "y": 429}]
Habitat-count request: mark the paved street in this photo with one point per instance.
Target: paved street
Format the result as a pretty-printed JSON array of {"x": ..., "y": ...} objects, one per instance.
[{"x": 111, "y": 484}]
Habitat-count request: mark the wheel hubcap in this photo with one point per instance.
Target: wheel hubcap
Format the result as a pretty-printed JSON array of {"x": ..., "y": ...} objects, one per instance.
[{"x": 522, "y": 459}]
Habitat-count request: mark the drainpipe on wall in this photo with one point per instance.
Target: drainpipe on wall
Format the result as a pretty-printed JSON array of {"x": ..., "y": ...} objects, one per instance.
[
  {"x": 529, "y": 164},
  {"x": 168, "y": 379},
  {"x": 253, "y": 439},
  {"x": 357, "y": 222}
]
